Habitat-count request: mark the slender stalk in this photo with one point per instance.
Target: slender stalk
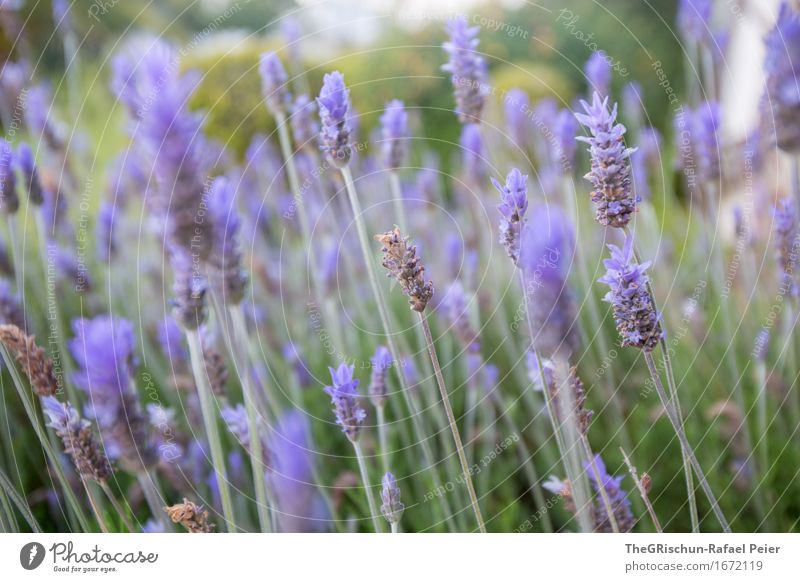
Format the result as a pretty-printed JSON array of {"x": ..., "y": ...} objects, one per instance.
[
  {"x": 47, "y": 445},
  {"x": 95, "y": 509},
  {"x": 762, "y": 445},
  {"x": 673, "y": 390},
  {"x": 239, "y": 354},
  {"x": 121, "y": 511},
  {"x": 16, "y": 255},
  {"x": 362, "y": 467},
  {"x": 642, "y": 491},
  {"x": 395, "y": 527},
  {"x": 452, "y": 421},
  {"x": 154, "y": 497},
  {"x": 397, "y": 200},
  {"x": 9, "y": 493},
  {"x": 382, "y": 440},
  {"x": 679, "y": 431},
  {"x": 383, "y": 313},
  {"x": 210, "y": 422}
]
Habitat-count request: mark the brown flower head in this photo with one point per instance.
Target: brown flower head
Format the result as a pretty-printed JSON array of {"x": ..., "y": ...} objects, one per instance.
[{"x": 401, "y": 260}]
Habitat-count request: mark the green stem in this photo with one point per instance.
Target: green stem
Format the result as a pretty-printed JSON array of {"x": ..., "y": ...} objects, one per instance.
[
  {"x": 239, "y": 355},
  {"x": 362, "y": 467},
  {"x": 121, "y": 511},
  {"x": 382, "y": 440},
  {"x": 680, "y": 432},
  {"x": 642, "y": 491},
  {"x": 383, "y": 313},
  {"x": 210, "y": 422},
  {"x": 397, "y": 199},
  {"x": 452, "y": 421}
]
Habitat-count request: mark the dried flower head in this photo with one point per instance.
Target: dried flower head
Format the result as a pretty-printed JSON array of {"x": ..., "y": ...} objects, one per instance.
[
  {"x": 611, "y": 173},
  {"x": 334, "y": 103},
  {"x": 35, "y": 363},
  {"x": 401, "y": 260},
  {"x": 78, "y": 438},
  {"x": 346, "y": 401},
  {"x": 513, "y": 205},
  {"x": 391, "y": 506},
  {"x": 467, "y": 69},
  {"x": 193, "y": 517},
  {"x": 637, "y": 321}
]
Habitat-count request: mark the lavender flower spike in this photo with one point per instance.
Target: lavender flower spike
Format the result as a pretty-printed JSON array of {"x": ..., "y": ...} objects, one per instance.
[
  {"x": 782, "y": 67},
  {"x": 611, "y": 173},
  {"x": 334, "y": 102},
  {"x": 381, "y": 362},
  {"x": 304, "y": 128},
  {"x": 9, "y": 201},
  {"x": 27, "y": 166},
  {"x": 189, "y": 288},
  {"x": 346, "y": 401},
  {"x": 598, "y": 73},
  {"x": 513, "y": 206},
  {"x": 226, "y": 257},
  {"x": 391, "y": 508},
  {"x": 547, "y": 251},
  {"x": 79, "y": 442},
  {"x": 467, "y": 69},
  {"x": 394, "y": 131},
  {"x": 693, "y": 18},
  {"x": 618, "y": 499},
  {"x": 637, "y": 321},
  {"x": 274, "y": 83}
]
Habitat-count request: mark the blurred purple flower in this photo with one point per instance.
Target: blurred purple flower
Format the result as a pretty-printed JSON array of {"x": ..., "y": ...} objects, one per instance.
[
  {"x": 598, "y": 73},
  {"x": 394, "y": 133},
  {"x": 618, "y": 499},
  {"x": 693, "y": 18},
  {"x": 274, "y": 83},
  {"x": 9, "y": 200},
  {"x": 473, "y": 155},
  {"x": 305, "y": 129},
  {"x": 381, "y": 363},
  {"x": 518, "y": 122},
  {"x": 513, "y": 205},
  {"x": 782, "y": 68},
  {"x": 30, "y": 175},
  {"x": 391, "y": 506},
  {"x": 334, "y": 103},
  {"x": 225, "y": 258},
  {"x": 787, "y": 231},
  {"x": 467, "y": 69}
]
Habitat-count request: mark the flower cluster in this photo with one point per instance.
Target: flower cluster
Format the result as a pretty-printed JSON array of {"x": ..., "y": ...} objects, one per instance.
[
  {"x": 467, "y": 69},
  {"x": 391, "y": 506},
  {"x": 381, "y": 363},
  {"x": 346, "y": 401},
  {"x": 617, "y": 498},
  {"x": 334, "y": 103},
  {"x": 273, "y": 83},
  {"x": 611, "y": 173},
  {"x": 636, "y": 318},
  {"x": 513, "y": 205}
]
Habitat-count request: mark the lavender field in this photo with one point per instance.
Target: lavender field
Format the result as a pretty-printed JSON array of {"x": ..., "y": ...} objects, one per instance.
[{"x": 324, "y": 267}]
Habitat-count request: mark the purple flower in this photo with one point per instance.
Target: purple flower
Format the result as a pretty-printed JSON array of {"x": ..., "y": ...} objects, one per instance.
[
  {"x": 346, "y": 401},
  {"x": 225, "y": 259},
  {"x": 547, "y": 251},
  {"x": 171, "y": 339},
  {"x": 394, "y": 132},
  {"x": 640, "y": 175},
  {"x": 40, "y": 118},
  {"x": 104, "y": 232},
  {"x": 68, "y": 267},
  {"x": 78, "y": 438},
  {"x": 236, "y": 420},
  {"x": 610, "y": 175},
  {"x": 472, "y": 154},
  {"x": 518, "y": 123},
  {"x": 334, "y": 103},
  {"x": 61, "y": 15},
  {"x": 189, "y": 288},
  {"x": 10, "y": 307},
  {"x": 636, "y": 318},
  {"x": 467, "y": 69},
  {"x": 704, "y": 154},
  {"x": 9, "y": 201},
  {"x": 761, "y": 345},
  {"x": 633, "y": 103},
  {"x": 391, "y": 506},
  {"x": 455, "y": 303},
  {"x": 693, "y": 18},
  {"x": 304, "y": 128},
  {"x": 782, "y": 68},
  {"x": 513, "y": 205},
  {"x": 301, "y": 507},
  {"x": 30, "y": 175},
  {"x": 103, "y": 350},
  {"x": 294, "y": 357},
  {"x": 274, "y": 85},
  {"x": 618, "y": 499},
  {"x": 598, "y": 73},
  {"x": 565, "y": 127},
  {"x": 785, "y": 219},
  {"x": 156, "y": 93},
  {"x": 650, "y": 148},
  {"x": 381, "y": 363}
]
